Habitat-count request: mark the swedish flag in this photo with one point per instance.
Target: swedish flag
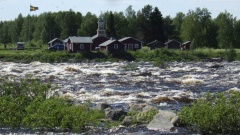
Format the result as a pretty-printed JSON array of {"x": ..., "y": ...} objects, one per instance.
[{"x": 32, "y": 8}]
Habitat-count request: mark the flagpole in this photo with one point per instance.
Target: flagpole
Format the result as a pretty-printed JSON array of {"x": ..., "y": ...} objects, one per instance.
[{"x": 29, "y": 30}]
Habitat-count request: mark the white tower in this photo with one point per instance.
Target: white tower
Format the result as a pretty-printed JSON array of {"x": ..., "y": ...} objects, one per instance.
[{"x": 100, "y": 30}]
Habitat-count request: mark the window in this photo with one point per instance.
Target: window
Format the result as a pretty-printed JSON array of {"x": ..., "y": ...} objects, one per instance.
[
  {"x": 115, "y": 46},
  {"x": 136, "y": 46},
  {"x": 81, "y": 46}
]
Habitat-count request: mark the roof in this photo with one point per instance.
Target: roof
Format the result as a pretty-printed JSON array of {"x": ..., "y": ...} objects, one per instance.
[
  {"x": 20, "y": 42},
  {"x": 55, "y": 40},
  {"x": 186, "y": 42},
  {"x": 65, "y": 40},
  {"x": 169, "y": 41},
  {"x": 107, "y": 43},
  {"x": 155, "y": 42},
  {"x": 81, "y": 39},
  {"x": 96, "y": 36},
  {"x": 125, "y": 38}
]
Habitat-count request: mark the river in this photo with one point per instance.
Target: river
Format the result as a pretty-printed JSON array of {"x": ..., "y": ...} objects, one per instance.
[{"x": 115, "y": 83}]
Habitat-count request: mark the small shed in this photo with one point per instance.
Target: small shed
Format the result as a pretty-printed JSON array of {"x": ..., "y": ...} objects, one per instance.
[
  {"x": 79, "y": 44},
  {"x": 186, "y": 45},
  {"x": 173, "y": 44},
  {"x": 131, "y": 43},
  {"x": 97, "y": 40},
  {"x": 155, "y": 44},
  {"x": 113, "y": 46},
  {"x": 55, "y": 41}
]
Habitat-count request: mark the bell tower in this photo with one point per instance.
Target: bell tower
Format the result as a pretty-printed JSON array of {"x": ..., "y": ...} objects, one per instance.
[{"x": 100, "y": 30}]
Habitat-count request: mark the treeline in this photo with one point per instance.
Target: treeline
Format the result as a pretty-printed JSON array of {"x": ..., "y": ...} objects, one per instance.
[{"x": 147, "y": 24}]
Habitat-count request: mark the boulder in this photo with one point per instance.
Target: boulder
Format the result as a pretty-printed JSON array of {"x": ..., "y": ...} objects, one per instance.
[
  {"x": 176, "y": 121},
  {"x": 168, "y": 114},
  {"x": 162, "y": 121},
  {"x": 102, "y": 106},
  {"x": 114, "y": 114}
]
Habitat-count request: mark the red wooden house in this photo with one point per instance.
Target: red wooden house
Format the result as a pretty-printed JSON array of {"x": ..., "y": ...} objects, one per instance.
[
  {"x": 113, "y": 46},
  {"x": 97, "y": 40},
  {"x": 173, "y": 44},
  {"x": 155, "y": 44},
  {"x": 186, "y": 45},
  {"x": 79, "y": 44},
  {"x": 55, "y": 41},
  {"x": 131, "y": 43}
]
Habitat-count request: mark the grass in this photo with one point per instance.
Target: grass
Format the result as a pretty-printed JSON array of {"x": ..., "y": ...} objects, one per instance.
[{"x": 159, "y": 56}]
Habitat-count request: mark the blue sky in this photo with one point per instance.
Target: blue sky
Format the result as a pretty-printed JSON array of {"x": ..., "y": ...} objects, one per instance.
[{"x": 10, "y": 9}]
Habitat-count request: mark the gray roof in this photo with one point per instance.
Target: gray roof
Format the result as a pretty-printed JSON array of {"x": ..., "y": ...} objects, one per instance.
[
  {"x": 155, "y": 42},
  {"x": 125, "y": 38},
  {"x": 81, "y": 39},
  {"x": 186, "y": 42},
  {"x": 95, "y": 36},
  {"x": 55, "y": 40},
  {"x": 107, "y": 43},
  {"x": 65, "y": 40},
  {"x": 169, "y": 41}
]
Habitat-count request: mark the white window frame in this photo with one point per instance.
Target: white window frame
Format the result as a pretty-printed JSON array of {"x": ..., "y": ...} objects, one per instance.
[
  {"x": 81, "y": 46},
  {"x": 136, "y": 45},
  {"x": 115, "y": 46}
]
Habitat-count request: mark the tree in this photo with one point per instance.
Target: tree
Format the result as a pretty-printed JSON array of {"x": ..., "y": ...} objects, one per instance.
[
  {"x": 169, "y": 28},
  {"x": 177, "y": 23},
  {"x": 121, "y": 25},
  {"x": 130, "y": 15},
  {"x": 225, "y": 23},
  {"x": 69, "y": 25},
  {"x": 156, "y": 26},
  {"x": 111, "y": 31},
  {"x": 88, "y": 25},
  {"x": 144, "y": 23},
  {"x": 196, "y": 27},
  {"x": 237, "y": 34}
]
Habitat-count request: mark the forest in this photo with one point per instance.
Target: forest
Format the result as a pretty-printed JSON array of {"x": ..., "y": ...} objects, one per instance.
[{"x": 147, "y": 24}]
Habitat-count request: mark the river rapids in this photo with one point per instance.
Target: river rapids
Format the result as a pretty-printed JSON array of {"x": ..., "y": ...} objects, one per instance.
[{"x": 123, "y": 83}]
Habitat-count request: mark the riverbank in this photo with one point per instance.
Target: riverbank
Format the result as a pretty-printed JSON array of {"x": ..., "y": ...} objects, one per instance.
[{"x": 144, "y": 54}]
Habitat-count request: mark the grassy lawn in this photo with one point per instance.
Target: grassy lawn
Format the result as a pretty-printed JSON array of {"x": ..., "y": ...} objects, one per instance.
[{"x": 42, "y": 54}]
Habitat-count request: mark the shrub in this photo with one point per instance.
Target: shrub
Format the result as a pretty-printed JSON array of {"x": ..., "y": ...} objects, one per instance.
[
  {"x": 159, "y": 62},
  {"x": 230, "y": 54},
  {"x": 215, "y": 114},
  {"x": 142, "y": 117},
  {"x": 24, "y": 103},
  {"x": 16, "y": 96}
]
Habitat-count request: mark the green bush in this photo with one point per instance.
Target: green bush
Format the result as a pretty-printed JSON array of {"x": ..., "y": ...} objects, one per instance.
[
  {"x": 230, "y": 54},
  {"x": 142, "y": 117},
  {"x": 216, "y": 114},
  {"x": 24, "y": 103},
  {"x": 16, "y": 96}
]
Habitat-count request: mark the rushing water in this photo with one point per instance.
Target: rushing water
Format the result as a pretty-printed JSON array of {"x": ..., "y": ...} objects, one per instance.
[{"x": 111, "y": 83}]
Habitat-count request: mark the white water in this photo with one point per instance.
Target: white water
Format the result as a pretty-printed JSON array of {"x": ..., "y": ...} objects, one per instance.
[{"x": 109, "y": 82}]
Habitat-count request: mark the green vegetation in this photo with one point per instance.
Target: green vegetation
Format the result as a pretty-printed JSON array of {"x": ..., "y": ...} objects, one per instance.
[
  {"x": 142, "y": 117},
  {"x": 215, "y": 114},
  {"x": 25, "y": 104},
  {"x": 160, "y": 57}
]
